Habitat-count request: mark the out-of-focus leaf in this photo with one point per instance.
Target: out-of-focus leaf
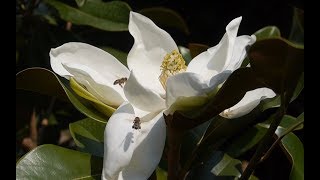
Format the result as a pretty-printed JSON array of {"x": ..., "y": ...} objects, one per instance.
[
  {"x": 267, "y": 32},
  {"x": 88, "y": 135},
  {"x": 77, "y": 88},
  {"x": 245, "y": 141},
  {"x": 294, "y": 148},
  {"x": 185, "y": 52},
  {"x": 297, "y": 28},
  {"x": 220, "y": 166},
  {"x": 227, "y": 166},
  {"x": 196, "y": 49},
  {"x": 120, "y": 55},
  {"x": 80, "y": 2},
  {"x": 54, "y": 162},
  {"x": 45, "y": 81},
  {"x": 40, "y": 80},
  {"x": 161, "y": 174},
  {"x": 166, "y": 17},
  {"x": 108, "y": 16}
]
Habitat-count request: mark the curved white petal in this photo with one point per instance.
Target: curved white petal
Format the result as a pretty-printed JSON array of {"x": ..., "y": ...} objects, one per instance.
[
  {"x": 239, "y": 51},
  {"x": 129, "y": 153},
  {"x": 142, "y": 97},
  {"x": 250, "y": 100},
  {"x": 190, "y": 84},
  {"x": 217, "y": 58},
  {"x": 185, "y": 84},
  {"x": 94, "y": 58},
  {"x": 151, "y": 44},
  {"x": 96, "y": 84}
]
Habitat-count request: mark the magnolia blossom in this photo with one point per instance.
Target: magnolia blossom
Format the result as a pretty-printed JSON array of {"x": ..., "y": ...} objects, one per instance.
[{"x": 156, "y": 81}]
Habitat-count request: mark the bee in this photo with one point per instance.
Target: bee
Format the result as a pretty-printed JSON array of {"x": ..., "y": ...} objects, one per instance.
[
  {"x": 136, "y": 123},
  {"x": 120, "y": 81}
]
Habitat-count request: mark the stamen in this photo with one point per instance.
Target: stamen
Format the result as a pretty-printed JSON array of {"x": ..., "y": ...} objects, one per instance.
[{"x": 172, "y": 64}]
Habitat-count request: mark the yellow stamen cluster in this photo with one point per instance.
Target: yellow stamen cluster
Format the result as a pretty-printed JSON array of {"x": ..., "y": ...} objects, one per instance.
[{"x": 172, "y": 64}]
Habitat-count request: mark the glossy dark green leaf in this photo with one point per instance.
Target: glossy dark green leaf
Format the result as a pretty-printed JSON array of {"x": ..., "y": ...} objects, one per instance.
[
  {"x": 166, "y": 17},
  {"x": 196, "y": 48},
  {"x": 267, "y": 32},
  {"x": 120, "y": 55},
  {"x": 108, "y": 16},
  {"x": 88, "y": 135},
  {"x": 278, "y": 64},
  {"x": 294, "y": 148},
  {"x": 54, "y": 162},
  {"x": 45, "y": 81}
]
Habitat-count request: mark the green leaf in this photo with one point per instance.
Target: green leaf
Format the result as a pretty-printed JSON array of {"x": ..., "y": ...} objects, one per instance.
[
  {"x": 120, "y": 55},
  {"x": 54, "y": 162},
  {"x": 185, "y": 52},
  {"x": 278, "y": 64},
  {"x": 227, "y": 166},
  {"x": 161, "y": 174},
  {"x": 88, "y": 135},
  {"x": 45, "y": 81},
  {"x": 80, "y": 2},
  {"x": 108, "y": 16},
  {"x": 166, "y": 17},
  {"x": 294, "y": 148},
  {"x": 245, "y": 141},
  {"x": 267, "y": 32},
  {"x": 297, "y": 28}
]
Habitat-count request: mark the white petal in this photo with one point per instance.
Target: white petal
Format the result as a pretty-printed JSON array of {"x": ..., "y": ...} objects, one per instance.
[
  {"x": 250, "y": 100},
  {"x": 151, "y": 44},
  {"x": 239, "y": 51},
  {"x": 189, "y": 84},
  {"x": 91, "y": 67},
  {"x": 216, "y": 59},
  {"x": 129, "y": 153},
  {"x": 94, "y": 58},
  {"x": 142, "y": 97},
  {"x": 97, "y": 85},
  {"x": 185, "y": 84}
]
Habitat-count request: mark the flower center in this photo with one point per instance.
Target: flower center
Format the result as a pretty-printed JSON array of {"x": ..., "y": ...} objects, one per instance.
[{"x": 172, "y": 64}]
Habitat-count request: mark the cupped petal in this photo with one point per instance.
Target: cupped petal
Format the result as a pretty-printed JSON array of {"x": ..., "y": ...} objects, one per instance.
[
  {"x": 217, "y": 58},
  {"x": 130, "y": 153},
  {"x": 94, "y": 58},
  {"x": 97, "y": 85},
  {"x": 151, "y": 44},
  {"x": 138, "y": 93},
  {"x": 250, "y": 100},
  {"x": 188, "y": 84}
]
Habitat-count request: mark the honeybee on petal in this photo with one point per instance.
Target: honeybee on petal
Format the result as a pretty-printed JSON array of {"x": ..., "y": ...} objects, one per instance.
[
  {"x": 120, "y": 81},
  {"x": 136, "y": 123}
]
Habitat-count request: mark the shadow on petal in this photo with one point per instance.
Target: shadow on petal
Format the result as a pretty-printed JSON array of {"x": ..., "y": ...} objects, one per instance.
[{"x": 128, "y": 141}]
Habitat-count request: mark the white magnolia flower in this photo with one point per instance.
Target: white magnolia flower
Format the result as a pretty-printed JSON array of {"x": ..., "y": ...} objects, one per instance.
[{"x": 156, "y": 81}]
